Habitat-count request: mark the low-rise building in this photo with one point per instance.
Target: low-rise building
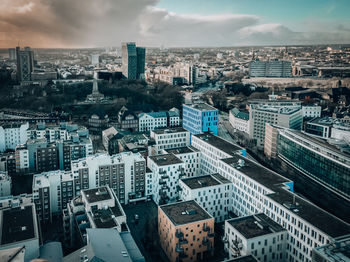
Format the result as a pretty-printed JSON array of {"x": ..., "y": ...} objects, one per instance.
[
  {"x": 167, "y": 138},
  {"x": 186, "y": 231},
  {"x": 239, "y": 120},
  {"x": 212, "y": 192},
  {"x": 156, "y": 120},
  {"x": 256, "y": 235}
]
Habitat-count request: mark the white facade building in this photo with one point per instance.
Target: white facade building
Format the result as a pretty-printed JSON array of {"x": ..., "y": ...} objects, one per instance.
[
  {"x": 311, "y": 111},
  {"x": 155, "y": 120},
  {"x": 5, "y": 184},
  {"x": 12, "y": 135},
  {"x": 190, "y": 156},
  {"x": 212, "y": 192},
  {"x": 163, "y": 183},
  {"x": 260, "y": 190},
  {"x": 168, "y": 138},
  {"x": 256, "y": 235},
  {"x": 239, "y": 120}
]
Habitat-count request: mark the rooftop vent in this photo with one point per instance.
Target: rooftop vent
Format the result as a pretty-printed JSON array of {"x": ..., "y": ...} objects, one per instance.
[
  {"x": 191, "y": 212},
  {"x": 202, "y": 183}
]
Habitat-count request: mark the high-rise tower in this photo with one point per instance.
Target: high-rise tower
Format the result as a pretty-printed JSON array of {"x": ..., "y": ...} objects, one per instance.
[{"x": 133, "y": 59}]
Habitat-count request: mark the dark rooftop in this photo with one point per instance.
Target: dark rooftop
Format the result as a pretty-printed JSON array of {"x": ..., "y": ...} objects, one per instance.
[
  {"x": 169, "y": 130},
  {"x": 219, "y": 143},
  {"x": 316, "y": 216},
  {"x": 17, "y": 224},
  {"x": 255, "y": 225},
  {"x": 166, "y": 159},
  {"x": 104, "y": 218},
  {"x": 185, "y": 212},
  {"x": 97, "y": 194},
  {"x": 201, "y": 106},
  {"x": 182, "y": 150},
  {"x": 205, "y": 181},
  {"x": 248, "y": 258}
]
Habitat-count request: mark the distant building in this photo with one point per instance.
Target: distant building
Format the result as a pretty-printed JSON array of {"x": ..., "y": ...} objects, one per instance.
[
  {"x": 186, "y": 231},
  {"x": 25, "y": 64},
  {"x": 12, "y": 54},
  {"x": 133, "y": 59},
  {"x": 167, "y": 138},
  {"x": 12, "y": 135},
  {"x": 110, "y": 138},
  {"x": 320, "y": 127},
  {"x": 19, "y": 229},
  {"x": 239, "y": 120},
  {"x": 256, "y": 235},
  {"x": 311, "y": 111},
  {"x": 128, "y": 120},
  {"x": 5, "y": 184},
  {"x": 272, "y": 68},
  {"x": 211, "y": 192},
  {"x": 199, "y": 118},
  {"x": 98, "y": 122},
  {"x": 95, "y": 59},
  {"x": 156, "y": 120}
]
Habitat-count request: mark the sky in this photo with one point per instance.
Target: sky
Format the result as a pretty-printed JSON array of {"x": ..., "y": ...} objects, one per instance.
[{"x": 173, "y": 23}]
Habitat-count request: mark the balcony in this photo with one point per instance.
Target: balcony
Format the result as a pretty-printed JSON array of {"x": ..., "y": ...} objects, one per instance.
[
  {"x": 179, "y": 249},
  {"x": 178, "y": 188},
  {"x": 211, "y": 235},
  {"x": 162, "y": 182},
  {"x": 205, "y": 241},
  {"x": 179, "y": 234},
  {"x": 165, "y": 177},
  {"x": 165, "y": 187},
  {"x": 183, "y": 241},
  {"x": 206, "y": 228}
]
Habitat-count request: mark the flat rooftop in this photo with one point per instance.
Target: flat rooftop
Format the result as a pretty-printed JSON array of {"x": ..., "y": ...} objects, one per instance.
[
  {"x": 17, "y": 224},
  {"x": 166, "y": 159},
  {"x": 339, "y": 250},
  {"x": 182, "y": 150},
  {"x": 219, "y": 143},
  {"x": 201, "y": 107},
  {"x": 97, "y": 194},
  {"x": 185, "y": 212},
  {"x": 255, "y": 225},
  {"x": 248, "y": 258},
  {"x": 316, "y": 216},
  {"x": 169, "y": 130},
  {"x": 205, "y": 181}
]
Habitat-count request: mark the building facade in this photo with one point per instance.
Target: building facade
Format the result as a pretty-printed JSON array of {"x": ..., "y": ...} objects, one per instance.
[
  {"x": 239, "y": 120},
  {"x": 168, "y": 138},
  {"x": 12, "y": 135},
  {"x": 200, "y": 118},
  {"x": 271, "y": 68}
]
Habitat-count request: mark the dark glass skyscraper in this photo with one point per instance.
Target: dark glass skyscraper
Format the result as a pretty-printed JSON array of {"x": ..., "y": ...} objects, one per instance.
[
  {"x": 25, "y": 64},
  {"x": 133, "y": 59}
]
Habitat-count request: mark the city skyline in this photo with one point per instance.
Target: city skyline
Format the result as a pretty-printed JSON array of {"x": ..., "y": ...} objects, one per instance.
[{"x": 91, "y": 23}]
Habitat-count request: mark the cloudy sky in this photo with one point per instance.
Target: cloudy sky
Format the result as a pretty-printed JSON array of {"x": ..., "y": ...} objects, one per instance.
[{"x": 173, "y": 23}]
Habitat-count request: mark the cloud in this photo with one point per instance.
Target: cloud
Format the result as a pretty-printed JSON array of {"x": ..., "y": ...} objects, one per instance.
[{"x": 91, "y": 23}]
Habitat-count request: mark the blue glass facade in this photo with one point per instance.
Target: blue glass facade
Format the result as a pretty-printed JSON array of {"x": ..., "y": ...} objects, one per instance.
[{"x": 199, "y": 120}]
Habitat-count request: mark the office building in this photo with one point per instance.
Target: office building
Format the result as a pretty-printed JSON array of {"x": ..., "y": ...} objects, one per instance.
[
  {"x": 260, "y": 190},
  {"x": 133, "y": 59},
  {"x": 270, "y": 144},
  {"x": 95, "y": 59},
  {"x": 5, "y": 184},
  {"x": 199, "y": 118},
  {"x": 110, "y": 138},
  {"x": 108, "y": 245},
  {"x": 93, "y": 208},
  {"x": 186, "y": 231},
  {"x": 190, "y": 156},
  {"x": 12, "y": 135},
  {"x": 212, "y": 192},
  {"x": 212, "y": 148},
  {"x": 315, "y": 158},
  {"x": 256, "y": 235},
  {"x": 25, "y": 64},
  {"x": 19, "y": 228},
  {"x": 239, "y": 120},
  {"x": 168, "y": 138},
  {"x": 311, "y": 111},
  {"x": 337, "y": 250},
  {"x": 271, "y": 68},
  {"x": 320, "y": 127},
  {"x": 157, "y": 120},
  {"x": 162, "y": 184},
  {"x": 12, "y": 54},
  {"x": 285, "y": 114}
]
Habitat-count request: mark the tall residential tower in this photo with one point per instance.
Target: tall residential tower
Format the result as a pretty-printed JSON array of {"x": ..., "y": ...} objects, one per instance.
[{"x": 133, "y": 59}]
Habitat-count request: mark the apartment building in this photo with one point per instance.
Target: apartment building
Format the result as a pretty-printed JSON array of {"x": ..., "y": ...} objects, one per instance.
[
  {"x": 212, "y": 192},
  {"x": 239, "y": 120},
  {"x": 271, "y": 68},
  {"x": 5, "y": 184},
  {"x": 212, "y": 148},
  {"x": 186, "y": 231},
  {"x": 155, "y": 120},
  {"x": 163, "y": 183},
  {"x": 311, "y": 111},
  {"x": 280, "y": 113},
  {"x": 260, "y": 190},
  {"x": 256, "y": 235},
  {"x": 93, "y": 208},
  {"x": 19, "y": 230},
  {"x": 190, "y": 156},
  {"x": 167, "y": 138},
  {"x": 199, "y": 118},
  {"x": 12, "y": 135}
]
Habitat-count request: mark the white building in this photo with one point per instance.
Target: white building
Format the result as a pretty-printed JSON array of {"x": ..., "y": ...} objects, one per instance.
[
  {"x": 341, "y": 131},
  {"x": 278, "y": 112},
  {"x": 337, "y": 250},
  {"x": 212, "y": 148},
  {"x": 256, "y": 235},
  {"x": 12, "y": 135},
  {"x": 271, "y": 68},
  {"x": 5, "y": 184},
  {"x": 163, "y": 183},
  {"x": 190, "y": 156},
  {"x": 311, "y": 111},
  {"x": 95, "y": 59},
  {"x": 167, "y": 138},
  {"x": 155, "y": 120},
  {"x": 260, "y": 190},
  {"x": 212, "y": 192},
  {"x": 15, "y": 201},
  {"x": 239, "y": 120},
  {"x": 19, "y": 229}
]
